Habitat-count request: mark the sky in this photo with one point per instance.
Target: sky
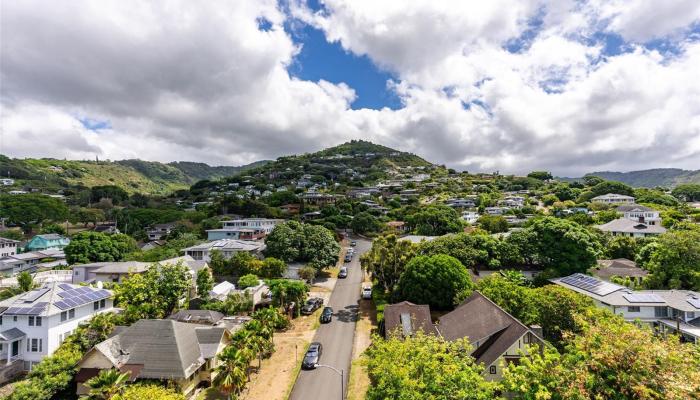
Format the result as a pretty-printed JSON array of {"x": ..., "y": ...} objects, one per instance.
[{"x": 569, "y": 86}]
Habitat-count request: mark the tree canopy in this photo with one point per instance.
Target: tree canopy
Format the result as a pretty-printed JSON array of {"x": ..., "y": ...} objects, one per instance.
[
  {"x": 435, "y": 221},
  {"x": 312, "y": 244},
  {"x": 88, "y": 246},
  {"x": 687, "y": 192},
  {"x": 28, "y": 209},
  {"x": 440, "y": 281},
  {"x": 673, "y": 260}
]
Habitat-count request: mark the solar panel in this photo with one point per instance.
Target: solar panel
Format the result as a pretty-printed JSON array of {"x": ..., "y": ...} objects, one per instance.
[
  {"x": 34, "y": 294},
  {"x": 35, "y": 311},
  {"x": 695, "y": 302},
  {"x": 62, "y": 305},
  {"x": 65, "y": 286},
  {"x": 70, "y": 302},
  {"x": 591, "y": 284},
  {"x": 643, "y": 298}
]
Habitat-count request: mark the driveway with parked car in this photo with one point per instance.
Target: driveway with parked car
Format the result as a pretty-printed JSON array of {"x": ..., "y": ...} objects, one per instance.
[{"x": 336, "y": 337}]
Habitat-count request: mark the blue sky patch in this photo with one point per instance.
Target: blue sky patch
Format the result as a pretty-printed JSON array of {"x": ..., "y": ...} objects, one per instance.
[{"x": 95, "y": 124}]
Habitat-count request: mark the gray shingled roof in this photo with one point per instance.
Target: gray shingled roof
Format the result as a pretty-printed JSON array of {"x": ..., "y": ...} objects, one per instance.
[
  {"x": 11, "y": 334},
  {"x": 419, "y": 318},
  {"x": 197, "y": 316},
  {"x": 631, "y": 207},
  {"x": 617, "y": 267},
  {"x": 625, "y": 225},
  {"x": 166, "y": 348}
]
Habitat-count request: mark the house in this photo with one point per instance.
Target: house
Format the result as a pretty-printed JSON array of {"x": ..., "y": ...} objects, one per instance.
[
  {"x": 460, "y": 203},
  {"x": 7, "y": 181},
  {"x": 49, "y": 241},
  {"x": 643, "y": 214},
  {"x": 318, "y": 199},
  {"x": 35, "y": 323},
  {"x": 620, "y": 267},
  {"x": 227, "y": 247},
  {"x": 470, "y": 217},
  {"x": 496, "y": 210},
  {"x": 512, "y": 202},
  {"x": 497, "y": 338},
  {"x": 159, "y": 231},
  {"x": 204, "y": 317},
  {"x": 106, "y": 227},
  {"x": 266, "y": 224},
  {"x": 258, "y": 294},
  {"x": 291, "y": 209},
  {"x": 612, "y": 198},
  {"x": 236, "y": 234},
  {"x": 398, "y": 227},
  {"x": 419, "y": 238},
  {"x": 31, "y": 261},
  {"x": 116, "y": 271},
  {"x": 152, "y": 245},
  {"x": 158, "y": 349},
  {"x": 8, "y": 247},
  {"x": 628, "y": 227},
  {"x": 676, "y": 311},
  {"x": 406, "y": 319}
]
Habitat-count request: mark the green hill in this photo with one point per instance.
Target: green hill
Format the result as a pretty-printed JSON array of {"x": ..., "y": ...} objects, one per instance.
[
  {"x": 665, "y": 177},
  {"x": 146, "y": 177}
]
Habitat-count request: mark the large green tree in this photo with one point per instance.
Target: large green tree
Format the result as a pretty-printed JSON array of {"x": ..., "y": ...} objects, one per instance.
[
  {"x": 28, "y": 209},
  {"x": 91, "y": 246},
  {"x": 364, "y": 222},
  {"x": 687, "y": 192},
  {"x": 673, "y": 260},
  {"x": 564, "y": 247},
  {"x": 440, "y": 281},
  {"x": 493, "y": 223},
  {"x": 431, "y": 368},
  {"x": 387, "y": 259},
  {"x": 312, "y": 244},
  {"x": 435, "y": 221}
]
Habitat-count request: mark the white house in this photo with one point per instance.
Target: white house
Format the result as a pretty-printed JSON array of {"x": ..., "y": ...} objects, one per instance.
[
  {"x": 266, "y": 224},
  {"x": 629, "y": 227},
  {"x": 496, "y": 210},
  {"x": 227, "y": 247},
  {"x": 116, "y": 271},
  {"x": 8, "y": 247},
  {"x": 470, "y": 217},
  {"x": 612, "y": 198},
  {"x": 512, "y": 202},
  {"x": 258, "y": 294},
  {"x": 664, "y": 310},
  {"x": 14, "y": 264},
  {"x": 643, "y": 214},
  {"x": 35, "y": 323},
  {"x": 7, "y": 181}
]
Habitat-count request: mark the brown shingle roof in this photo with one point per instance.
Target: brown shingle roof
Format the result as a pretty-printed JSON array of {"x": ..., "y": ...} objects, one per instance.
[
  {"x": 481, "y": 321},
  {"x": 419, "y": 319},
  {"x": 618, "y": 267}
]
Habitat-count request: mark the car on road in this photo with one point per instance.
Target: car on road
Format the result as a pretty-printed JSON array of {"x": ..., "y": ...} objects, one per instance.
[
  {"x": 313, "y": 356},
  {"x": 312, "y": 305},
  {"x": 351, "y": 250},
  {"x": 353, "y": 243},
  {"x": 348, "y": 257},
  {"x": 343, "y": 273},
  {"x": 367, "y": 292},
  {"x": 326, "y": 315}
]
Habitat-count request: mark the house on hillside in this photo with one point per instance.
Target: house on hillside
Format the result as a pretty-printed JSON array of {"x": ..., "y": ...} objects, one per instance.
[
  {"x": 637, "y": 213},
  {"x": 227, "y": 247},
  {"x": 35, "y": 323},
  {"x": 31, "y": 261},
  {"x": 398, "y": 227},
  {"x": 470, "y": 217},
  {"x": 613, "y": 198},
  {"x": 7, "y": 181},
  {"x": 8, "y": 247},
  {"x": 497, "y": 338},
  {"x": 159, "y": 231},
  {"x": 49, "y": 241},
  {"x": 109, "y": 228},
  {"x": 666, "y": 311},
  {"x": 158, "y": 349},
  {"x": 627, "y": 227}
]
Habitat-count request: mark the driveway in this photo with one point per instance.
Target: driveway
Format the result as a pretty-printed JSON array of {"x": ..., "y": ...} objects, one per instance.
[{"x": 336, "y": 337}]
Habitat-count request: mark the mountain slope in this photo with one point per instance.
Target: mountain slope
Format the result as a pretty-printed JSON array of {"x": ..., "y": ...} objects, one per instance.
[
  {"x": 666, "y": 177},
  {"x": 146, "y": 177}
]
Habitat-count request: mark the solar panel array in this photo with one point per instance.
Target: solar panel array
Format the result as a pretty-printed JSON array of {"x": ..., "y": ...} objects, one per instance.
[
  {"x": 695, "y": 302},
  {"x": 590, "y": 284},
  {"x": 35, "y": 309},
  {"x": 75, "y": 297},
  {"x": 31, "y": 296},
  {"x": 644, "y": 298}
]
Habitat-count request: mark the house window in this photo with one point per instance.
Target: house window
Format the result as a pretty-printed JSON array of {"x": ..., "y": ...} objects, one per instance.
[
  {"x": 64, "y": 316},
  {"x": 71, "y": 313},
  {"x": 632, "y": 308},
  {"x": 492, "y": 369},
  {"x": 660, "y": 312},
  {"x": 0, "y": 319},
  {"x": 96, "y": 305},
  {"x": 34, "y": 321},
  {"x": 526, "y": 338},
  {"x": 14, "y": 318},
  {"x": 102, "y": 303},
  {"x": 35, "y": 345},
  {"x": 76, "y": 272}
]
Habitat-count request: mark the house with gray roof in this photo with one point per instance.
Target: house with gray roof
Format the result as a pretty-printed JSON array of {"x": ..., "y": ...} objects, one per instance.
[
  {"x": 160, "y": 349},
  {"x": 672, "y": 310},
  {"x": 613, "y": 198},
  {"x": 620, "y": 267},
  {"x": 33, "y": 324},
  {"x": 631, "y": 228},
  {"x": 227, "y": 247}
]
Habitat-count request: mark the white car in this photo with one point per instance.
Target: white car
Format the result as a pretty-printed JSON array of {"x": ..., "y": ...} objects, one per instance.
[{"x": 367, "y": 292}]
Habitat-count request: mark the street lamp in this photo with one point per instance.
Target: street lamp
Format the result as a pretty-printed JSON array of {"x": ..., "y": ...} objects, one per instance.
[{"x": 342, "y": 379}]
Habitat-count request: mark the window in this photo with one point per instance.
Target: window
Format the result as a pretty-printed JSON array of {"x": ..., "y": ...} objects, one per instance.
[
  {"x": 14, "y": 318},
  {"x": 64, "y": 316},
  {"x": 34, "y": 321},
  {"x": 632, "y": 308},
  {"x": 102, "y": 303},
  {"x": 71, "y": 313},
  {"x": 492, "y": 369},
  {"x": 76, "y": 272},
  {"x": 35, "y": 345},
  {"x": 0, "y": 319},
  {"x": 96, "y": 305},
  {"x": 660, "y": 312}
]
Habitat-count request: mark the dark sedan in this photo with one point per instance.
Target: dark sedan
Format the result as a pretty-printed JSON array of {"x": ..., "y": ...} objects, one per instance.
[
  {"x": 326, "y": 315},
  {"x": 313, "y": 356},
  {"x": 343, "y": 273}
]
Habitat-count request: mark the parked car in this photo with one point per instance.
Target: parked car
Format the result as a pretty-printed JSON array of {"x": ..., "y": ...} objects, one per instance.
[
  {"x": 367, "y": 292},
  {"x": 326, "y": 315},
  {"x": 312, "y": 356},
  {"x": 348, "y": 257},
  {"x": 312, "y": 305},
  {"x": 353, "y": 243},
  {"x": 343, "y": 273}
]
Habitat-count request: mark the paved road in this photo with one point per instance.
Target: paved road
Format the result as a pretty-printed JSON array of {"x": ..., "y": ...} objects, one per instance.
[{"x": 336, "y": 337}]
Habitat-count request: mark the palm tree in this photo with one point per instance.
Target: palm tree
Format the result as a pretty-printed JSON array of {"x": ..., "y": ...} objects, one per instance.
[
  {"x": 107, "y": 384},
  {"x": 232, "y": 373}
]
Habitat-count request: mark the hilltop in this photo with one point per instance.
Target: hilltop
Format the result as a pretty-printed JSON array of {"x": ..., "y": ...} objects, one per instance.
[
  {"x": 148, "y": 177},
  {"x": 665, "y": 177}
]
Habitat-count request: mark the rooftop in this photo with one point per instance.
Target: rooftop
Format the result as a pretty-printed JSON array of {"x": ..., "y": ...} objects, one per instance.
[
  {"x": 625, "y": 225},
  {"x": 229, "y": 244},
  {"x": 52, "y": 298}
]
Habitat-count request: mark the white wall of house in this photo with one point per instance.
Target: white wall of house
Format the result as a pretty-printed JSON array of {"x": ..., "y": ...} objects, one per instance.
[{"x": 494, "y": 372}]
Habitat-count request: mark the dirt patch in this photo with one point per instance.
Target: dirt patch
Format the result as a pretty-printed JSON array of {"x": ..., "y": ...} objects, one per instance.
[{"x": 278, "y": 373}]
